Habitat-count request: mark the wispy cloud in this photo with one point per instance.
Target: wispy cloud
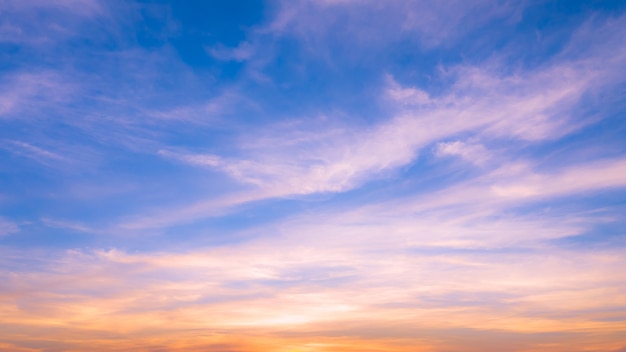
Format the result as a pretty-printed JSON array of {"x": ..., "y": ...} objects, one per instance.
[
  {"x": 7, "y": 227},
  {"x": 575, "y": 180},
  {"x": 531, "y": 106},
  {"x": 517, "y": 183},
  {"x": 474, "y": 153},
  {"x": 242, "y": 52},
  {"x": 434, "y": 23},
  {"x": 31, "y": 91},
  {"x": 69, "y": 226},
  {"x": 299, "y": 289},
  {"x": 45, "y": 23},
  {"x": 36, "y": 153}
]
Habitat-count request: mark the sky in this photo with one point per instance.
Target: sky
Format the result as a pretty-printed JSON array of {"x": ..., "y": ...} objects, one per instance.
[{"x": 313, "y": 175}]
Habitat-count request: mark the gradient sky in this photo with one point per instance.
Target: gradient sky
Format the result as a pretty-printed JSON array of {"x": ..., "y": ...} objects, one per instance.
[{"x": 313, "y": 175}]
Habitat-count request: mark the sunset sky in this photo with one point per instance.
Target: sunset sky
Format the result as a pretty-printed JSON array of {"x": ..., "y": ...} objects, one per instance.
[{"x": 313, "y": 175}]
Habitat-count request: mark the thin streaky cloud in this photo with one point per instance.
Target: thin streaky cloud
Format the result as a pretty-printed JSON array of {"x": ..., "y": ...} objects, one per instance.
[
  {"x": 34, "y": 152},
  {"x": 7, "y": 227},
  {"x": 24, "y": 91},
  {"x": 535, "y": 108}
]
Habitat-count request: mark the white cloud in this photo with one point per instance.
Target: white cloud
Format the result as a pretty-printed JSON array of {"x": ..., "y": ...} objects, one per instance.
[
  {"x": 406, "y": 95},
  {"x": 483, "y": 103},
  {"x": 472, "y": 152},
  {"x": 598, "y": 175},
  {"x": 268, "y": 288},
  {"x": 507, "y": 187},
  {"x": 533, "y": 108}
]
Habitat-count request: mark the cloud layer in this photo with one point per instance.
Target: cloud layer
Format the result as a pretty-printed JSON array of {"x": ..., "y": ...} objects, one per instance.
[{"x": 312, "y": 176}]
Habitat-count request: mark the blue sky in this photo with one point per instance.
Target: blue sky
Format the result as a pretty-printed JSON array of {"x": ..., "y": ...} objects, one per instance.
[{"x": 315, "y": 175}]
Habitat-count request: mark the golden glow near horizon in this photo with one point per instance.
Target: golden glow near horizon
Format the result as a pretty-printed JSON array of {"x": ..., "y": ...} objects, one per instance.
[{"x": 313, "y": 300}]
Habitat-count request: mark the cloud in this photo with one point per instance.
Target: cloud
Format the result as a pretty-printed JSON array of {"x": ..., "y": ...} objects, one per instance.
[
  {"x": 406, "y": 95},
  {"x": 435, "y": 256},
  {"x": 481, "y": 105},
  {"x": 75, "y": 6},
  {"x": 577, "y": 180},
  {"x": 474, "y": 153},
  {"x": 533, "y": 108},
  {"x": 431, "y": 20},
  {"x": 69, "y": 226},
  {"x": 516, "y": 183},
  {"x": 8, "y": 227},
  {"x": 31, "y": 91},
  {"x": 242, "y": 52},
  {"x": 264, "y": 289},
  {"x": 435, "y": 24},
  {"x": 36, "y": 153},
  {"x": 168, "y": 216},
  {"x": 44, "y": 23},
  {"x": 335, "y": 166}
]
